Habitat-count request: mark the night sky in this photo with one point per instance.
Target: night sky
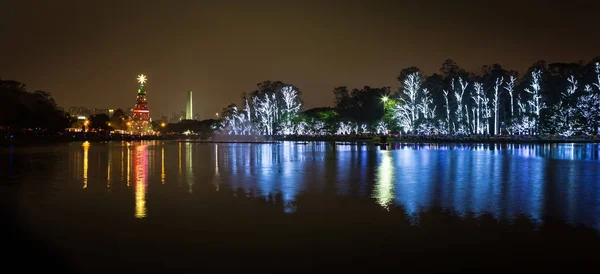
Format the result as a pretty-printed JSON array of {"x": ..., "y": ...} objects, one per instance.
[{"x": 89, "y": 53}]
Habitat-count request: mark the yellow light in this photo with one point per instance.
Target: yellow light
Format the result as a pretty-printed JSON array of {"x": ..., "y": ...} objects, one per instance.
[
  {"x": 163, "y": 124},
  {"x": 162, "y": 171},
  {"x": 109, "y": 124},
  {"x": 86, "y": 147},
  {"x": 142, "y": 79},
  {"x": 140, "y": 182}
]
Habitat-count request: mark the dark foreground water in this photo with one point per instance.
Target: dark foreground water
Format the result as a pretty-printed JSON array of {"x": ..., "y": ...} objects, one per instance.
[{"x": 154, "y": 206}]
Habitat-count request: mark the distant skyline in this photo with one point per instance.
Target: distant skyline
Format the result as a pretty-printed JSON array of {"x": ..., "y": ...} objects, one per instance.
[{"x": 90, "y": 53}]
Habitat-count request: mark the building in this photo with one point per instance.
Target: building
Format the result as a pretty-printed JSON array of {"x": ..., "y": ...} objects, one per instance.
[
  {"x": 85, "y": 112},
  {"x": 140, "y": 119},
  {"x": 189, "y": 112}
]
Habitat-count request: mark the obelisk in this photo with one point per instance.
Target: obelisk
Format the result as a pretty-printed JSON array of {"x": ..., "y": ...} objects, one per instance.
[{"x": 189, "y": 111}]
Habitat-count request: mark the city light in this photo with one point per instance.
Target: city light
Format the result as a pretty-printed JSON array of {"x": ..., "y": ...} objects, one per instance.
[
  {"x": 385, "y": 99},
  {"x": 163, "y": 124}
]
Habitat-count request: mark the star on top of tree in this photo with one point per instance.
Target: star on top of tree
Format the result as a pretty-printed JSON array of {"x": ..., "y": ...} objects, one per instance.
[{"x": 141, "y": 79}]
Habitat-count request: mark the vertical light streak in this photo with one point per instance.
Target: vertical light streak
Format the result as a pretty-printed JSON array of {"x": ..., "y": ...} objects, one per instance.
[
  {"x": 108, "y": 168},
  {"x": 128, "y": 164},
  {"x": 216, "y": 159},
  {"x": 86, "y": 147},
  {"x": 384, "y": 187},
  {"x": 122, "y": 163},
  {"x": 140, "y": 177},
  {"x": 179, "y": 159},
  {"x": 216, "y": 182},
  {"x": 189, "y": 166},
  {"x": 162, "y": 166}
]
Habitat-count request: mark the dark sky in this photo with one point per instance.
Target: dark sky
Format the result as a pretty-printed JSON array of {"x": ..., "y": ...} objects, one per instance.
[{"x": 89, "y": 52}]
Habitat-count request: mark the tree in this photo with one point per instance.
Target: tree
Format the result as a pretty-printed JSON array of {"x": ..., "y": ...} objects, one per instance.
[
  {"x": 266, "y": 112},
  {"x": 118, "y": 120},
  {"x": 406, "y": 111},
  {"x": 291, "y": 108},
  {"x": 343, "y": 101},
  {"x": 426, "y": 106},
  {"x": 536, "y": 102},
  {"x": 477, "y": 97},
  {"x": 459, "y": 95},
  {"x": 563, "y": 119},
  {"x": 588, "y": 106},
  {"x": 510, "y": 87},
  {"x": 450, "y": 69},
  {"x": 20, "y": 109},
  {"x": 99, "y": 121},
  {"x": 447, "y": 107},
  {"x": 496, "y": 103}
]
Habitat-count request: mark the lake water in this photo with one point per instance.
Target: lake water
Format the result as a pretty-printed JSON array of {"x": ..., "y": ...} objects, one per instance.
[
  {"x": 560, "y": 180},
  {"x": 168, "y": 183}
]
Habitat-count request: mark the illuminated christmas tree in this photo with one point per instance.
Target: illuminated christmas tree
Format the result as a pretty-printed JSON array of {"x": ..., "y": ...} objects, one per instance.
[{"x": 141, "y": 115}]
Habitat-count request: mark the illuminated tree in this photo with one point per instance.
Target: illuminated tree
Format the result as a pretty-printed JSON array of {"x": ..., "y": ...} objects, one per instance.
[
  {"x": 588, "y": 106},
  {"x": 447, "y": 106},
  {"x": 510, "y": 87},
  {"x": 563, "y": 118},
  {"x": 496, "y": 103},
  {"x": 486, "y": 114},
  {"x": 405, "y": 113},
  {"x": 363, "y": 128},
  {"x": 459, "y": 95},
  {"x": 265, "y": 111},
  {"x": 426, "y": 106},
  {"x": 235, "y": 122},
  {"x": 381, "y": 127},
  {"x": 536, "y": 102},
  {"x": 344, "y": 128},
  {"x": 597, "y": 84},
  {"x": 290, "y": 110},
  {"x": 477, "y": 97}
]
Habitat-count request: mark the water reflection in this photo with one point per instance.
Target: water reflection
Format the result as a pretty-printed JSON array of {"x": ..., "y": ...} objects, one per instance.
[
  {"x": 86, "y": 147},
  {"x": 505, "y": 180},
  {"x": 216, "y": 182},
  {"x": 179, "y": 158},
  {"x": 190, "y": 166},
  {"x": 109, "y": 158},
  {"x": 384, "y": 187},
  {"x": 163, "y": 175},
  {"x": 128, "y": 163},
  {"x": 140, "y": 163}
]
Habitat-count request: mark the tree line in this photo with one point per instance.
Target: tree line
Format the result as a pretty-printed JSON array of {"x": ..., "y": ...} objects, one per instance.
[
  {"x": 20, "y": 109},
  {"x": 37, "y": 110},
  {"x": 548, "y": 99}
]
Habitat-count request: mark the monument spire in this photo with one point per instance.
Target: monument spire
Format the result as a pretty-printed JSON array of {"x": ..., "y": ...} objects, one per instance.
[{"x": 189, "y": 111}]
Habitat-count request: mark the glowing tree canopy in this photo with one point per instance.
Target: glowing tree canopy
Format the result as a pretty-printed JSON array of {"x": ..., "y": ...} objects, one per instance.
[{"x": 470, "y": 102}]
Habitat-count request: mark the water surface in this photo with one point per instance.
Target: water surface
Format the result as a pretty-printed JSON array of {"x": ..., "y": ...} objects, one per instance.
[{"x": 556, "y": 180}]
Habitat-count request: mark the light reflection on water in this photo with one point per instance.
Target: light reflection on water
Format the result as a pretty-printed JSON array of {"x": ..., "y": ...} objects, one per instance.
[
  {"x": 140, "y": 165},
  {"x": 559, "y": 180}
]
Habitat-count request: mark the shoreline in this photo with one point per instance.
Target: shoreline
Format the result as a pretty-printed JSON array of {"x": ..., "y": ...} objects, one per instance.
[{"x": 48, "y": 140}]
